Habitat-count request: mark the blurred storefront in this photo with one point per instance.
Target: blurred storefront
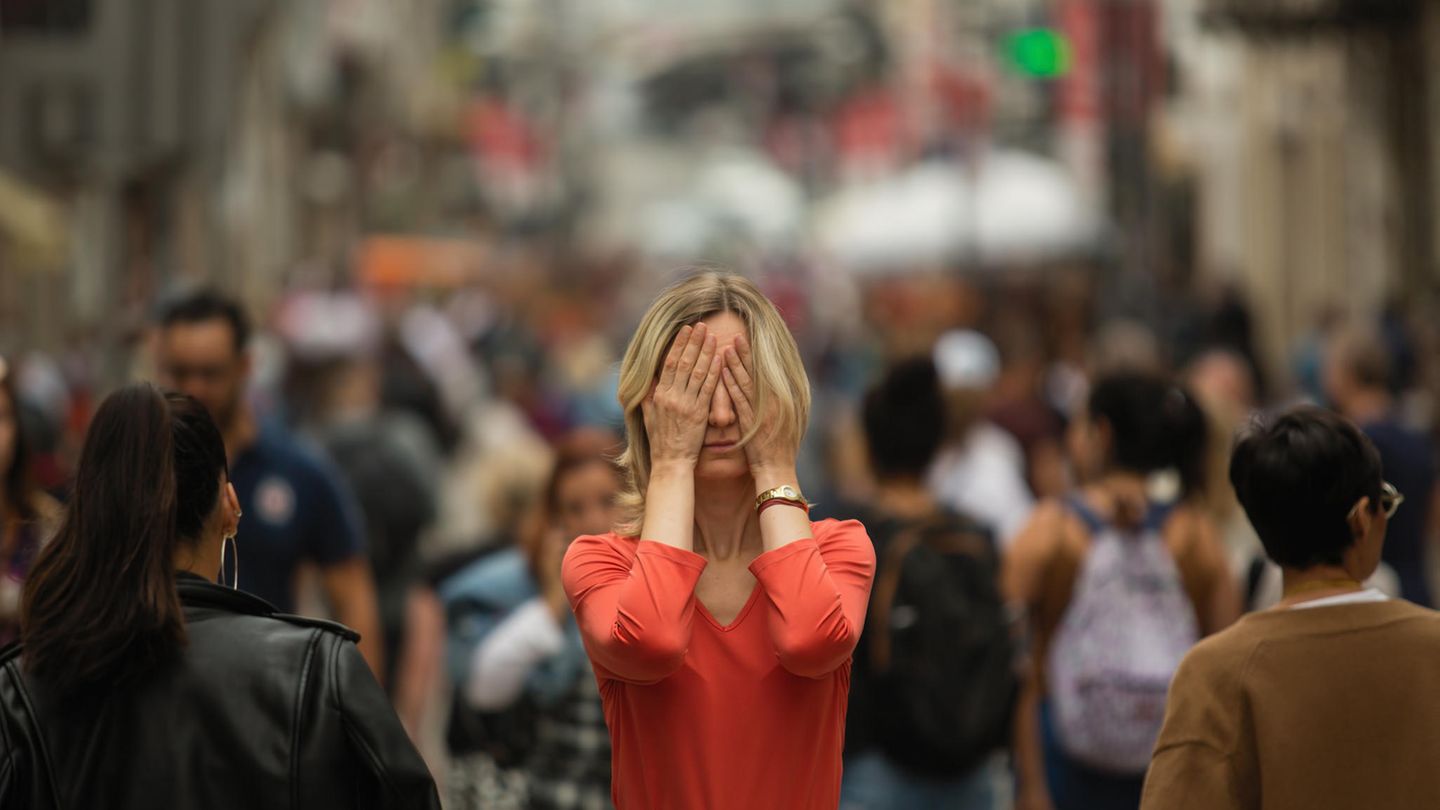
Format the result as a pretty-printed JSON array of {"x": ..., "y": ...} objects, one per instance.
[
  {"x": 193, "y": 139},
  {"x": 1313, "y": 126},
  {"x": 117, "y": 114}
]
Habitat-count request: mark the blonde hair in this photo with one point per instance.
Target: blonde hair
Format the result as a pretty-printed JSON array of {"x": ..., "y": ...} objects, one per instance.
[{"x": 782, "y": 390}]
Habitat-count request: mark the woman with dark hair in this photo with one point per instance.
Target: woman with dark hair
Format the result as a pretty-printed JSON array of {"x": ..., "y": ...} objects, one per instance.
[
  {"x": 141, "y": 683},
  {"x": 1119, "y": 579},
  {"x": 27, "y": 514}
]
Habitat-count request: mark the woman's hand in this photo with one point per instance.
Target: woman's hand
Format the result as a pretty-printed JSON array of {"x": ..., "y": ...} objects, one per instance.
[
  {"x": 772, "y": 448},
  {"x": 677, "y": 411}
]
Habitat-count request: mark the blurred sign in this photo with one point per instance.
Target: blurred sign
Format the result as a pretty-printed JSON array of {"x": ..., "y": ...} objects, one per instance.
[
  {"x": 1039, "y": 53},
  {"x": 1078, "y": 103},
  {"x": 417, "y": 261},
  {"x": 33, "y": 224}
]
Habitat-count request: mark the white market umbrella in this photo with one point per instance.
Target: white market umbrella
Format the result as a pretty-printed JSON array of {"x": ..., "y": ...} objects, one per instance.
[{"x": 1010, "y": 206}]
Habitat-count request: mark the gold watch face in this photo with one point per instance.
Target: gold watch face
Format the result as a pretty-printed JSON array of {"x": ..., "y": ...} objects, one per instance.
[{"x": 788, "y": 491}]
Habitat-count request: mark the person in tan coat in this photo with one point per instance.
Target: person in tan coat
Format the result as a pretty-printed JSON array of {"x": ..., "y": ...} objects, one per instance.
[{"x": 1328, "y": 699}]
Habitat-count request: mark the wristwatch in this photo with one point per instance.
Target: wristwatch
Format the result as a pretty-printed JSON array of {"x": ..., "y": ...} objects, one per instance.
[{"x": 782, "y": 494}]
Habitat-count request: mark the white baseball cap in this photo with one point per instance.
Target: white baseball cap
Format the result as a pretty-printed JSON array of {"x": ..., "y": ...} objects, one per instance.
[{"x": 966, "y": 359}]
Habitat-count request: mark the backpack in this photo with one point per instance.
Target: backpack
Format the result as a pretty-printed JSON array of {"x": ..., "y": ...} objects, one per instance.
[
  {"x": 1129, "y": 623},
  {"x": 507, "y": 735},
  {"x": 476, "y": 598},
  {"x": 941, "y": 650}
]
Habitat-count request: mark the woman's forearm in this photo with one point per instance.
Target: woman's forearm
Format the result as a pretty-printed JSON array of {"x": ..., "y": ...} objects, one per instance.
[
  {"x": 670, "y": 506},
  {"x": 781, "y": 524},
  {"x": 819, "y": 595},
  {"x": 634, "y": 609}
]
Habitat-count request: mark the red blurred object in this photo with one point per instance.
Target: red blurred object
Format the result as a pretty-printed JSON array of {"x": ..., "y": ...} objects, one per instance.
[
  {"x": 869, "y": 125},
  {"x": 389, "y": 262},
  {"x": 501, "y": 136}
]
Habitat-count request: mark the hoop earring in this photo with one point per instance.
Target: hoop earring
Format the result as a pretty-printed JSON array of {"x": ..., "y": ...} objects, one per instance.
[{"x": 228, "y": 545}]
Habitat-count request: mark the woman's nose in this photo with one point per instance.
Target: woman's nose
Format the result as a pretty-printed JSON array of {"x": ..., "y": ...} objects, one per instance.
[{"x": 722, "y": 410}]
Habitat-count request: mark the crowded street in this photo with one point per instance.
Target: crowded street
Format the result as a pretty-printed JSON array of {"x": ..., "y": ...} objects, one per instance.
[{"x": 807, "y": 404}]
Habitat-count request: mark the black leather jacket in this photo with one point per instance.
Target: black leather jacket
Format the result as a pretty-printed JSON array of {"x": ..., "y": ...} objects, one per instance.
[{"x": 261, "y": 711}]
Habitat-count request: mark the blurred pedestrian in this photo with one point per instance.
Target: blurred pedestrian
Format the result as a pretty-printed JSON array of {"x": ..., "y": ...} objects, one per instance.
[
  {"x": 1119, "y": 580},
  {"x": 1018, "y": 404},
  {"x": 141, "y": 683},
  {"x": 463, "y": 595},
  {"x": 981, "y": 469},
  {"x": 534, "y": 653},
  {"x": 719, "y": 619},
  {"x": 389, "y": 461},
  {"x": 933, "y": 683},
  {"x": 301, "y": 511},
  {"x": 1292, "y": 706},
  {"x": 27, "y": 514},
  {"x": 1357, "y": 377}
]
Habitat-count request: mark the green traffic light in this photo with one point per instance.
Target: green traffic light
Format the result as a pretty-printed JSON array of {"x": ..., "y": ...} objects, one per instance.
[{"x": 1040, "y": 53}]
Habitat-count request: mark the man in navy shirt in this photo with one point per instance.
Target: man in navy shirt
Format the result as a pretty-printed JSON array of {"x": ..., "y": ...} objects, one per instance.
[
  {"x": 297, "y": 509},
  {"x": 1357, "y": 378}
]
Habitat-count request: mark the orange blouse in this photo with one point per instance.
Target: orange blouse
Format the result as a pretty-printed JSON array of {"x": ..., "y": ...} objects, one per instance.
[{"x": 746, "y": 715}]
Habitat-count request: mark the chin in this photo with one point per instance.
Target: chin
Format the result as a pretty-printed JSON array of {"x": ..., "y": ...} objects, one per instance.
[{"x": 724, "y": 468}]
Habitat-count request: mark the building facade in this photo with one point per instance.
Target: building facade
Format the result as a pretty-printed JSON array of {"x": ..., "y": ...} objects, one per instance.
[{"x": 1314, "y": 126}]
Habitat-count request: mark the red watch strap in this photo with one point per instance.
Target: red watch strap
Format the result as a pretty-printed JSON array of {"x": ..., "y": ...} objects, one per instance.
[{"x": 769, "y": 502}]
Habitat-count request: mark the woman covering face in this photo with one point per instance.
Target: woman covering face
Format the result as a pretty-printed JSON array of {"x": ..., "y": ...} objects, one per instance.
[{"x": 719, "y": 619}]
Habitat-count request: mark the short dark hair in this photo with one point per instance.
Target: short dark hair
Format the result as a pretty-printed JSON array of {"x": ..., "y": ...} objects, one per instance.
[
  {"x": 208, "y": 305},
  {"x": 1155, "y": 424},
  {"x": 904, "y": 419},
  {"x": 1298, "y": 475}
]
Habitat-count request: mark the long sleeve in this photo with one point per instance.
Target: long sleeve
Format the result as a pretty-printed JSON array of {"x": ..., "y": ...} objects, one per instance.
[
  {"x": 818, "y": 591},
  {"x": 377, "y": 740},
  {"x": 1204, "y": 758},
  {"x": 634, "y": 610},
  {"x": 502, "y": 662},
  {"x": 1191, "y": 776}
]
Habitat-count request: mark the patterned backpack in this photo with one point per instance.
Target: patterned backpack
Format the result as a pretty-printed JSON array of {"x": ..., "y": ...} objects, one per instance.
[{"x": 1129, "y": 622}]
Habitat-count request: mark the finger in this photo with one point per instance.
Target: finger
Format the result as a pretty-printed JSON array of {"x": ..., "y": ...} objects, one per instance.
[
  {"x": 693, "y": 346},
  {"x": 737, "y": 397},
  {"x": 742, "y": 345},
  {"x": 701, "y": 372},
  {"x": 712, "y": 380},
  {"x": 735, "y": 362},
  {"x": 672, "y": 358}
]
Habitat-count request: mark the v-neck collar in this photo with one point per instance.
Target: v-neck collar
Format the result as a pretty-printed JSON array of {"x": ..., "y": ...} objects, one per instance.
[{"x": 739, "y": 617}]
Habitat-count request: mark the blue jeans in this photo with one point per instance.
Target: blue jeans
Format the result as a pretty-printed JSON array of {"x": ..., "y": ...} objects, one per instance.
[{"x": 872, "y": 782}]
